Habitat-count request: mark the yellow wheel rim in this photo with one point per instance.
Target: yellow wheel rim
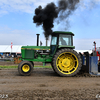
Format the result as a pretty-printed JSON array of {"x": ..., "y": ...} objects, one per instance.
[
  {"x": 67, "y": 63},
  {"x": 25, "y": 68}
]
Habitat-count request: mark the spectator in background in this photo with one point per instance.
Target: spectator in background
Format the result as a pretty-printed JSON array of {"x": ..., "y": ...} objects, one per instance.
[
  {"x": 3, "y": 56},
  {"x": 12, "y": 56},
  {"x": 9, "y": 55}
]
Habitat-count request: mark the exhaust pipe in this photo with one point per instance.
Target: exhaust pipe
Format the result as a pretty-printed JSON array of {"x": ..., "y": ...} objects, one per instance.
[
  {"x": 46, "y": 41},
  {"x": 37, "y": 39}
]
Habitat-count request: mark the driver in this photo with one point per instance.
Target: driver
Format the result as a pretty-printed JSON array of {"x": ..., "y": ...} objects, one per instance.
[{"x": 63, "y": 42}]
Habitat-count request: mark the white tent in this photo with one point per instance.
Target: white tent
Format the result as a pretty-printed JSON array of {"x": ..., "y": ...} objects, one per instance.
[
  {"x": 82, "y": 51},
  {"x": 7, "y": 48}
]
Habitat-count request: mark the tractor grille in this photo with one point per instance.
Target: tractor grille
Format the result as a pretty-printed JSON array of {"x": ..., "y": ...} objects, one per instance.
[{"x": 28, "y": 54}]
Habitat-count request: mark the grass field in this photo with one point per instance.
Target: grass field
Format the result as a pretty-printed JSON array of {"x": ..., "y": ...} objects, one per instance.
[{"x": 8, "y": 67}]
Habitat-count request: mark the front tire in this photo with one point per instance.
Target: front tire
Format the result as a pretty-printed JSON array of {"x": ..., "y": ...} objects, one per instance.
[
  {"x": 25, "y": 68},
  {"x": 67, "y": 62}
]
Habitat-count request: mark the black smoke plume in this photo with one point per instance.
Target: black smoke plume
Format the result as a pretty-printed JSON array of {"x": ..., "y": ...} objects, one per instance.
[{"x": 46, "y": 16}]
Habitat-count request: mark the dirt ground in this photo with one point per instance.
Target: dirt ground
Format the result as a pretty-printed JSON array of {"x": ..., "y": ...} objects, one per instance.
[{"x": 44, "y": 84}]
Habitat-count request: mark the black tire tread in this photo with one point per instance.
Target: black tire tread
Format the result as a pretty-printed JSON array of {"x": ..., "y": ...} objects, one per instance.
[
  {"x": 66, "y": 50},
  {"x": 21, "y": 64}
]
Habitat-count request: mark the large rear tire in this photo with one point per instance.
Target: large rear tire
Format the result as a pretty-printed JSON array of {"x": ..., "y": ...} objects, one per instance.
[
  {"x": 67, "y": 62},
  {"x": 25, "y": 68}
]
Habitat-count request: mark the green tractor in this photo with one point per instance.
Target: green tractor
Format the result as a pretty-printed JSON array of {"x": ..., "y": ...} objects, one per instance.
[{"x": 64, "y": 60}]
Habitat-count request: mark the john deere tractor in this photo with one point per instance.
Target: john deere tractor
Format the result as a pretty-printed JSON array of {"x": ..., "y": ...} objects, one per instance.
[{"x": 64, "y": 60}]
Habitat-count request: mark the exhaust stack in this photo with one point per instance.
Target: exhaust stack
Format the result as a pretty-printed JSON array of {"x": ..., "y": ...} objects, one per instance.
[
  {"x": 37, "y": 39},
  {"x": 46, "y": 41}
]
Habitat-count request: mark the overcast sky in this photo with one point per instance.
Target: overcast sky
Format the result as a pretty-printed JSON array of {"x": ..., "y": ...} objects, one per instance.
[{"x": 16, "y": 23}]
